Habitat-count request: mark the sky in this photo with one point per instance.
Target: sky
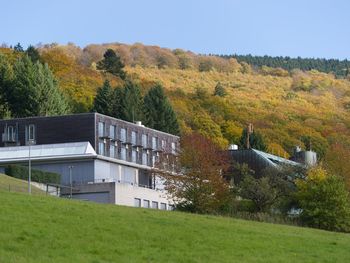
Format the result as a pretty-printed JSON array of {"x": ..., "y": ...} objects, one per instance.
[{"x": 306, "y": 28}]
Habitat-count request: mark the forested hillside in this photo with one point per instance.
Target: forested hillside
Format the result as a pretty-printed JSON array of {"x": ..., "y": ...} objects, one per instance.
[{"x": 218, "y": 96}]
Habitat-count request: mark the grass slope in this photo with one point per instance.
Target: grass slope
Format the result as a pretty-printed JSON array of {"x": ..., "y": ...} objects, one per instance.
[
  {"x": 46, "y": 229},
  {"x": 11, "y": 184}
]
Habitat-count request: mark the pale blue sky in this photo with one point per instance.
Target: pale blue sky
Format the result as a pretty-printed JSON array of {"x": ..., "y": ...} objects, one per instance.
[{"x": 306, "y": 28}]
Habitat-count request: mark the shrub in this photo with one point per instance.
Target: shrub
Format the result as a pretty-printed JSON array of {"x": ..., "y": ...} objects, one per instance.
[{"x": 21, "y": 172}]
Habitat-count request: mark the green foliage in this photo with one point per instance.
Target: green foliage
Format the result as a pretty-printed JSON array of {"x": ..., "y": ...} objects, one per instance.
[
  {"x": 256, "y": 141},
  {"x": 18, "y": 48},
  {"x": 112, "y": 63},
  {"x": 21, "y": 172},
  {"x": 158, "y": 112},
  {"x": 118, "y": 96},
  {"x": 324, "y": 201},
  {"x": 104, "y": 100},
  {"x": 220, "y": 90},
  {"x": 132, "y": 102},
  {"x": 34, "y": 91},
  {"x": 6, "y": 76},
  {"x": 33, "y": 53}
]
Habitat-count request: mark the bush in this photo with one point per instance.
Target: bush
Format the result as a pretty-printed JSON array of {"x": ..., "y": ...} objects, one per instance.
[{"x": 21, "y": 172}]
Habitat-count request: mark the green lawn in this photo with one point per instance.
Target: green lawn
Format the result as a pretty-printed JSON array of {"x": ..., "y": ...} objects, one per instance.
[
  {"x": 11, "y": 184},
  {"x": 49, "y": 229}
]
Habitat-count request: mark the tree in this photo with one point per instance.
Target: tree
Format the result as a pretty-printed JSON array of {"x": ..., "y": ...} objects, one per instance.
[
  {"x": 198, "y": 185},
  {"x": 103, "y": 102},
  {"x": 324, "y": 201},
  {"x": 256, "y": 140},
  {"x": 34, "y": 91},
  {"x": 6, "y": 77},
  {"x": 33, "y": 53},
  {"x": 112, "y": 63},
  {"x": 220, "y": 90},
  {"x": 118, "y": 96},
  {"x": 132, "y": 103},
  {"x": 158, "y": 112},
  {"x": 18, "y": 48}
]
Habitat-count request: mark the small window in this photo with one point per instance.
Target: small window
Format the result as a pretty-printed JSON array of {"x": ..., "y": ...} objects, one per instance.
[
  {"x": 137, "y": 202},
  {"x": 101, "y": 129},
  {"x": 146, "y": 203},
  {"x": 163, "y": 144},
  {"x": 123, "y": 153},
  {"x": 171, "y": 207},
  {"x": 154, "y": 143},
  {"x": 144, "y": 158},
  {"x": 112, "y": 151},
  {"x": 133, "y": 137},
  {"x": 133, "y": 156},
  {"x": 162, "y": 206},
  {"x": 173, "y": 148},
  {"x": 10, "y": 134},
  {"x": 31, "y": 132},
  {"x": 154, "y": 205},
  {"x": 101, "y": 148},
  {"x": 144, "y": 140},
  {"x": 123, "y": 135},
  {"x": 112, "y": 132}
]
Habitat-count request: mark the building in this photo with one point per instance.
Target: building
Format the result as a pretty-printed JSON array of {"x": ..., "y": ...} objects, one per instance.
[{"x": 105, "y": 159}]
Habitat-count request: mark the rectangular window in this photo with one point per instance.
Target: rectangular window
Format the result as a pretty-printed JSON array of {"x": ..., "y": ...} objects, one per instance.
[
  {"x": 31, "y": 132},
  {"x": 154, "y": 143},
  {"x": 112, "y": 132},
  {"x": 133, "y": 156},
  {"x": 173, "y": 148},
  {"x": 153, "y": 160},
  {"x": 101, "y": 129},
  {"x": 101, "y": 148},
  {"x": 123, "y": 153},
  {"x": 112, "y": 150},
  {"x": 137, "y": 202},
  {"x": 162, "y": 206},
  {"x": 11, "y": 136},
  {"x": 133, "y": 137},
  {"x": 154, "y": 205},
  {"x": 144, "y": 140},
  {"x": 123, "y": 135},
  {"x": 171, "y": 207},
  {"x": 146, "y": 203},
  {"x": 163, "y": 144},
  {"x": 144, "y": 158}
]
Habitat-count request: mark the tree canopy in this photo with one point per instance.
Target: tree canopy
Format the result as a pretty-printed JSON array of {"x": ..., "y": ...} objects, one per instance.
[{"x": 112, "y": 63}]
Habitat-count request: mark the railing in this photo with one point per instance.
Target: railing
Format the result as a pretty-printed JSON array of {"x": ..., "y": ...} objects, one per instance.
[{"x": 111, "y": 180}]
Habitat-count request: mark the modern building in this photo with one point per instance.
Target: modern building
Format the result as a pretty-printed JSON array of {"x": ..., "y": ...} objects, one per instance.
[{"x": 105, "y": 159}]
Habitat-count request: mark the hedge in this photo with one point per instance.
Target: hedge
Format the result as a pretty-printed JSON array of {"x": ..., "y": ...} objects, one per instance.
[{"x": 21, "y": 172}]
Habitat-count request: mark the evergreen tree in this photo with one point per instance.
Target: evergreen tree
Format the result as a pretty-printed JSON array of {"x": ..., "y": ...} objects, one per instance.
[
  {"x": 6, "y": 76},
  {"x": 112, "y": 63},
  {"x": 18, "y": 47},
  {"x": 103, "y": 102},
  {"x": 220, "y": 90},
  {"x": 158, "y": 112},
  {"x": 33, "y": 53},
  {"x": 34, "y": 91},
  {"x": 256, "y": 140},
  {"x": 131, "y": 104},
  {"x": 118, "y": 96}
]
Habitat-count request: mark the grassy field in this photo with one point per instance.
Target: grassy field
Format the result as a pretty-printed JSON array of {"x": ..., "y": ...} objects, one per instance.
[
  {"x": 11, "y": 184},
  {"x": 48, "y": 229}
]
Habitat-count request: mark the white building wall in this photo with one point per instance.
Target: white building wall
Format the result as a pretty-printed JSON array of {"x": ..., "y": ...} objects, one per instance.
[{"x": 126, "y": 194}]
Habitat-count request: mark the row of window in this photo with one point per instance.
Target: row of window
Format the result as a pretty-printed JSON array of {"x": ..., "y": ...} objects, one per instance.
[
  {"x": 123, "y": 137},
  {"x": 154, "y": 205},
  {"x": 11, "y": 133}
]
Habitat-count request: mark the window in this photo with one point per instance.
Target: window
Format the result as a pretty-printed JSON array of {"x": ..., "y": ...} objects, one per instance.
[
  {"x": 163, "y": 144},
  {"x": 162, "y": 206},
  {"x": 153, "y": 160},
  {"x": 171, "y": 207},
  {"x": 133, "y": 156},
  {"x": 123, "y": 135},
  {"x": 154, "y": 142},
  {"x": 133, "y": 137},
  {"x": 10, "y": 134},
  {"x": 137, "y": 202},
  {"x": 144, "y": 158},
  {"x": 101, "y": 148},
  {"x": 173, "y": 148},
  {"x": 154, "y": 205},
  {"x": 144, "y": 140},
  {"x": 112, "y": 150},
  {"x": 101, "y": 129},
  {"x": 146, "y": 203},
  {"x": 123, "y": 153},
  {"x": 112, "y": 132}
]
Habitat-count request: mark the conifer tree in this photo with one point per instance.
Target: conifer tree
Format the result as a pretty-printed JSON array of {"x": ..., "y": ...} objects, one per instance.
[
  {"x": 118, "y": 96},
  {"x": 33, "y": 53},
  {"x": 220, "y": 90},
  {"x": 256, "y": 140},
  {"x": 104, "y": 99},
  {"x": 158, "y": 112},
  {"x": 131, "y": 104},
  {"x": 18, "y": 47},
  {"x": 112, "y": 63}
]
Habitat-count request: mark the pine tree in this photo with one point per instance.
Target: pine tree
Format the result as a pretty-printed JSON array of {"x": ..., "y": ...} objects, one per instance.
[
  {"x": 131, "y": 103},
  {"x": 6, "y": 76},
  {"x": 118, "y": 96},
  {"x": 256, "y": 141},
  {"x": 18, "y": 48},
  {"x": 220, "y": 90},
  {"x": 112, "y": 63},
  {"x": 158, "y": 112},
  {"x": 33, "y": 53},
  {"x": 104, "y": 100}
]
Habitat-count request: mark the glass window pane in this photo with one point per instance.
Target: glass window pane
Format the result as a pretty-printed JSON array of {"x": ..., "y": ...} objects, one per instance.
[
  {"x": 154, "y": 205},
  {"x": 146, "y": 203},
  {"x": 137, "y": 202},
  {"x": 123, "y": 134},
  {"x": 112, "y": 132},
  {"x": 101, "y": 129}
]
